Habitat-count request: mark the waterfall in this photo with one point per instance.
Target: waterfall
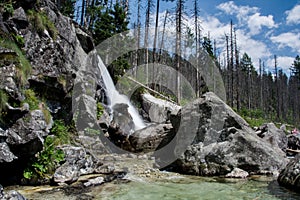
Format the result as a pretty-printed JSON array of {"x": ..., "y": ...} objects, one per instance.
[{"x": 116, "y": 98}]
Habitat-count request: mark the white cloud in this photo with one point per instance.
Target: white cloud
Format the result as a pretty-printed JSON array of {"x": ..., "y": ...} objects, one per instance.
[
  {"x": 249, "y": 16},
  {"x": 256, "y": 21},
  {"x": 241, "y": 12},
  {"x": 283, "y": 62},
  {"x": 293, "y": 16},
  {"x": 288, "y": 39}
]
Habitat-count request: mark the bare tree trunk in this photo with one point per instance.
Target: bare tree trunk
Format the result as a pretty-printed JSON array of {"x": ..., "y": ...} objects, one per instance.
[
  {"x": 231, "y": 65},
  {"x": 237, "y": 74},
  {"x": 178, "y": 45}
]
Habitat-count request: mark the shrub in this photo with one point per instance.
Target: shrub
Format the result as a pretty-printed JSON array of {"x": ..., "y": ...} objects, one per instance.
[
  {"x": 46, "y": 161},
  {"x": 49, "y": 158}
]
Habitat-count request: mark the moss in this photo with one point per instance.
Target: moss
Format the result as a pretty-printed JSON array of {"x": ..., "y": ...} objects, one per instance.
[
  {"x": 100, "y": 110},
  {"x": 47, "y": 115},
  {"x": 3, "y": 101},
  {"x": 23, "y": 65},
  {"x": 41, "y": 22},
  {"x": 31, "y": 99}
]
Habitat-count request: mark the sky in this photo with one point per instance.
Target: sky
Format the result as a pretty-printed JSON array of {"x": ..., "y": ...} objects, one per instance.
[{"x": 264, "y": 28}]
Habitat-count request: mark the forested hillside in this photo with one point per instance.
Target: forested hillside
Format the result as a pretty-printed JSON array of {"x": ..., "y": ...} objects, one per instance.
[{"x": 260, "y": 92}]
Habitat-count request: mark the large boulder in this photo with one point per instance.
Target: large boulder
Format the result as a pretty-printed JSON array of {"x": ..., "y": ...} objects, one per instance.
[
  {"x": 20, "y": 143},
  {"x": 158, "y": 110},
  {"x": 150, "y": 138},
  {"x": 273, "y": 135},
  {"x": 290, "y": 176},
  {"x": 78, "y": 161},
  {"x": 220, "y": 141}
]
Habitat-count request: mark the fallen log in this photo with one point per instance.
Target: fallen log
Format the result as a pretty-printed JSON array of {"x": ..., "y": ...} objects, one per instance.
[{"x": 293, "y": 150}]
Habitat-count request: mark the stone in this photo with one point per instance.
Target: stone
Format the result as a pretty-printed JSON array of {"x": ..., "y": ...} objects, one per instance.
[
  {"x": 219, "y": 141},
  {"x": 275, "y": 136},
  {"x": 85, "y": 40},
  {"x": 5, "y": 154},
  {"x": 237, "y": 173},
  {"x": 122, "y": 118},
  {"x": 158, "y": 110},
  {"x": 78, "y": 161},
  {"x": 294, "y": 141},
  {"x": 290, "y": 176},
  {"x": 19, "y": 18},
  {"x": 151, "y": 138},
  {"x": 93, "y": 182},
  {"x": 12, "y": 194},
  {"x": 32, "y": 126}
]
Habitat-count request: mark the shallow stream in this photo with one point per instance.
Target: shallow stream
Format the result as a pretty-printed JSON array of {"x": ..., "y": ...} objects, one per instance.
[{"x": 171, "y": 187}]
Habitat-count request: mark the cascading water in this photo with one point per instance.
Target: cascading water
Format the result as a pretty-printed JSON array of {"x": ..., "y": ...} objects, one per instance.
[{"x": 116, "y": 98}]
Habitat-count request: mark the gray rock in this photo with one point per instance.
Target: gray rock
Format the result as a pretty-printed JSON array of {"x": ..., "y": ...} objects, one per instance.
[
  {"x": 13, "y": 195},
  {"x": 158, "y": 110},
  {"x": 32, "y": 126},
  {"x": 220, "y": 141},
  {"x": 294, "y": 141},
  {"x": 290, "y": 176},
  {"x": 122, "y": 118},
  {"x": 19, "y": 18},
  {"x": 85, "y": 40},
  {"x": 270, "y": 133},
  {"x": 5, "y": 154},
  {"x": 93, "y": 182},
  {"x": 151, "y": 138},
  {"x": 237, "y": 173},
  {"x": 78, "y": 162}
]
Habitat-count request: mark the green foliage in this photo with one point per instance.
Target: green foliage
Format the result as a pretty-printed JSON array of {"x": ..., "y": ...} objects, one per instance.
[
  {"x": 24, "y": 66},
  {"x": 31, "y": 99},
  {"x": 46, "y": 161},
  {"x": 47, "y": 115},
  {"x": 49, "y": 158},
  {"x": 41, "y": 22},
  {"x": 100, "y": 110},
  {"x": 108, "y": 21},
  {"x": 7, "y": 8},
  {"x": 254, "y": 117},
  {"x": 19, "y": 40},
  {"x": 68, "y": 8},
  {"x": 208, "y": 46},
  {"x": 61, "y": 131},
  {"x": 3, "y": 100}
]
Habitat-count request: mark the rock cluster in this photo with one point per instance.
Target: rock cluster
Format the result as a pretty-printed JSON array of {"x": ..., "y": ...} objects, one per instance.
[{"x": 222, "y": 141}]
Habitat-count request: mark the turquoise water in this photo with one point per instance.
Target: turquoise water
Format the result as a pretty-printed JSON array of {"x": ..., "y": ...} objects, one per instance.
[
  {"x": 198, "y": 188},
  {"x": 173, "y": 188}
]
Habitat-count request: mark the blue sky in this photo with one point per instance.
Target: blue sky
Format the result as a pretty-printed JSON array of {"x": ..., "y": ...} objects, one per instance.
[{"x": 263, "y": 27}]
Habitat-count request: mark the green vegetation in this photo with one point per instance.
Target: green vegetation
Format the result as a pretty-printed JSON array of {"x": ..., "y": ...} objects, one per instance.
[
  {"x": 19, "y": 40},
  {"x": 46, "y": 161},
  {"x": 41, "y": 22},
  {"x": 254, "y": 117},
  {"x": 61, "y": 132},
  {"x": 23, "y": 66},
  {"x": 3, "y": 101},
  {"x": 7, "y": 8},
  {"x": 31, "y": 99},
  {"x": 100, "y": 110}
]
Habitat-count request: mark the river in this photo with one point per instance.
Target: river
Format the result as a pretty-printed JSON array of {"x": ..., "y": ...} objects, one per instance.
[{"x": 171, "y": 187}]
